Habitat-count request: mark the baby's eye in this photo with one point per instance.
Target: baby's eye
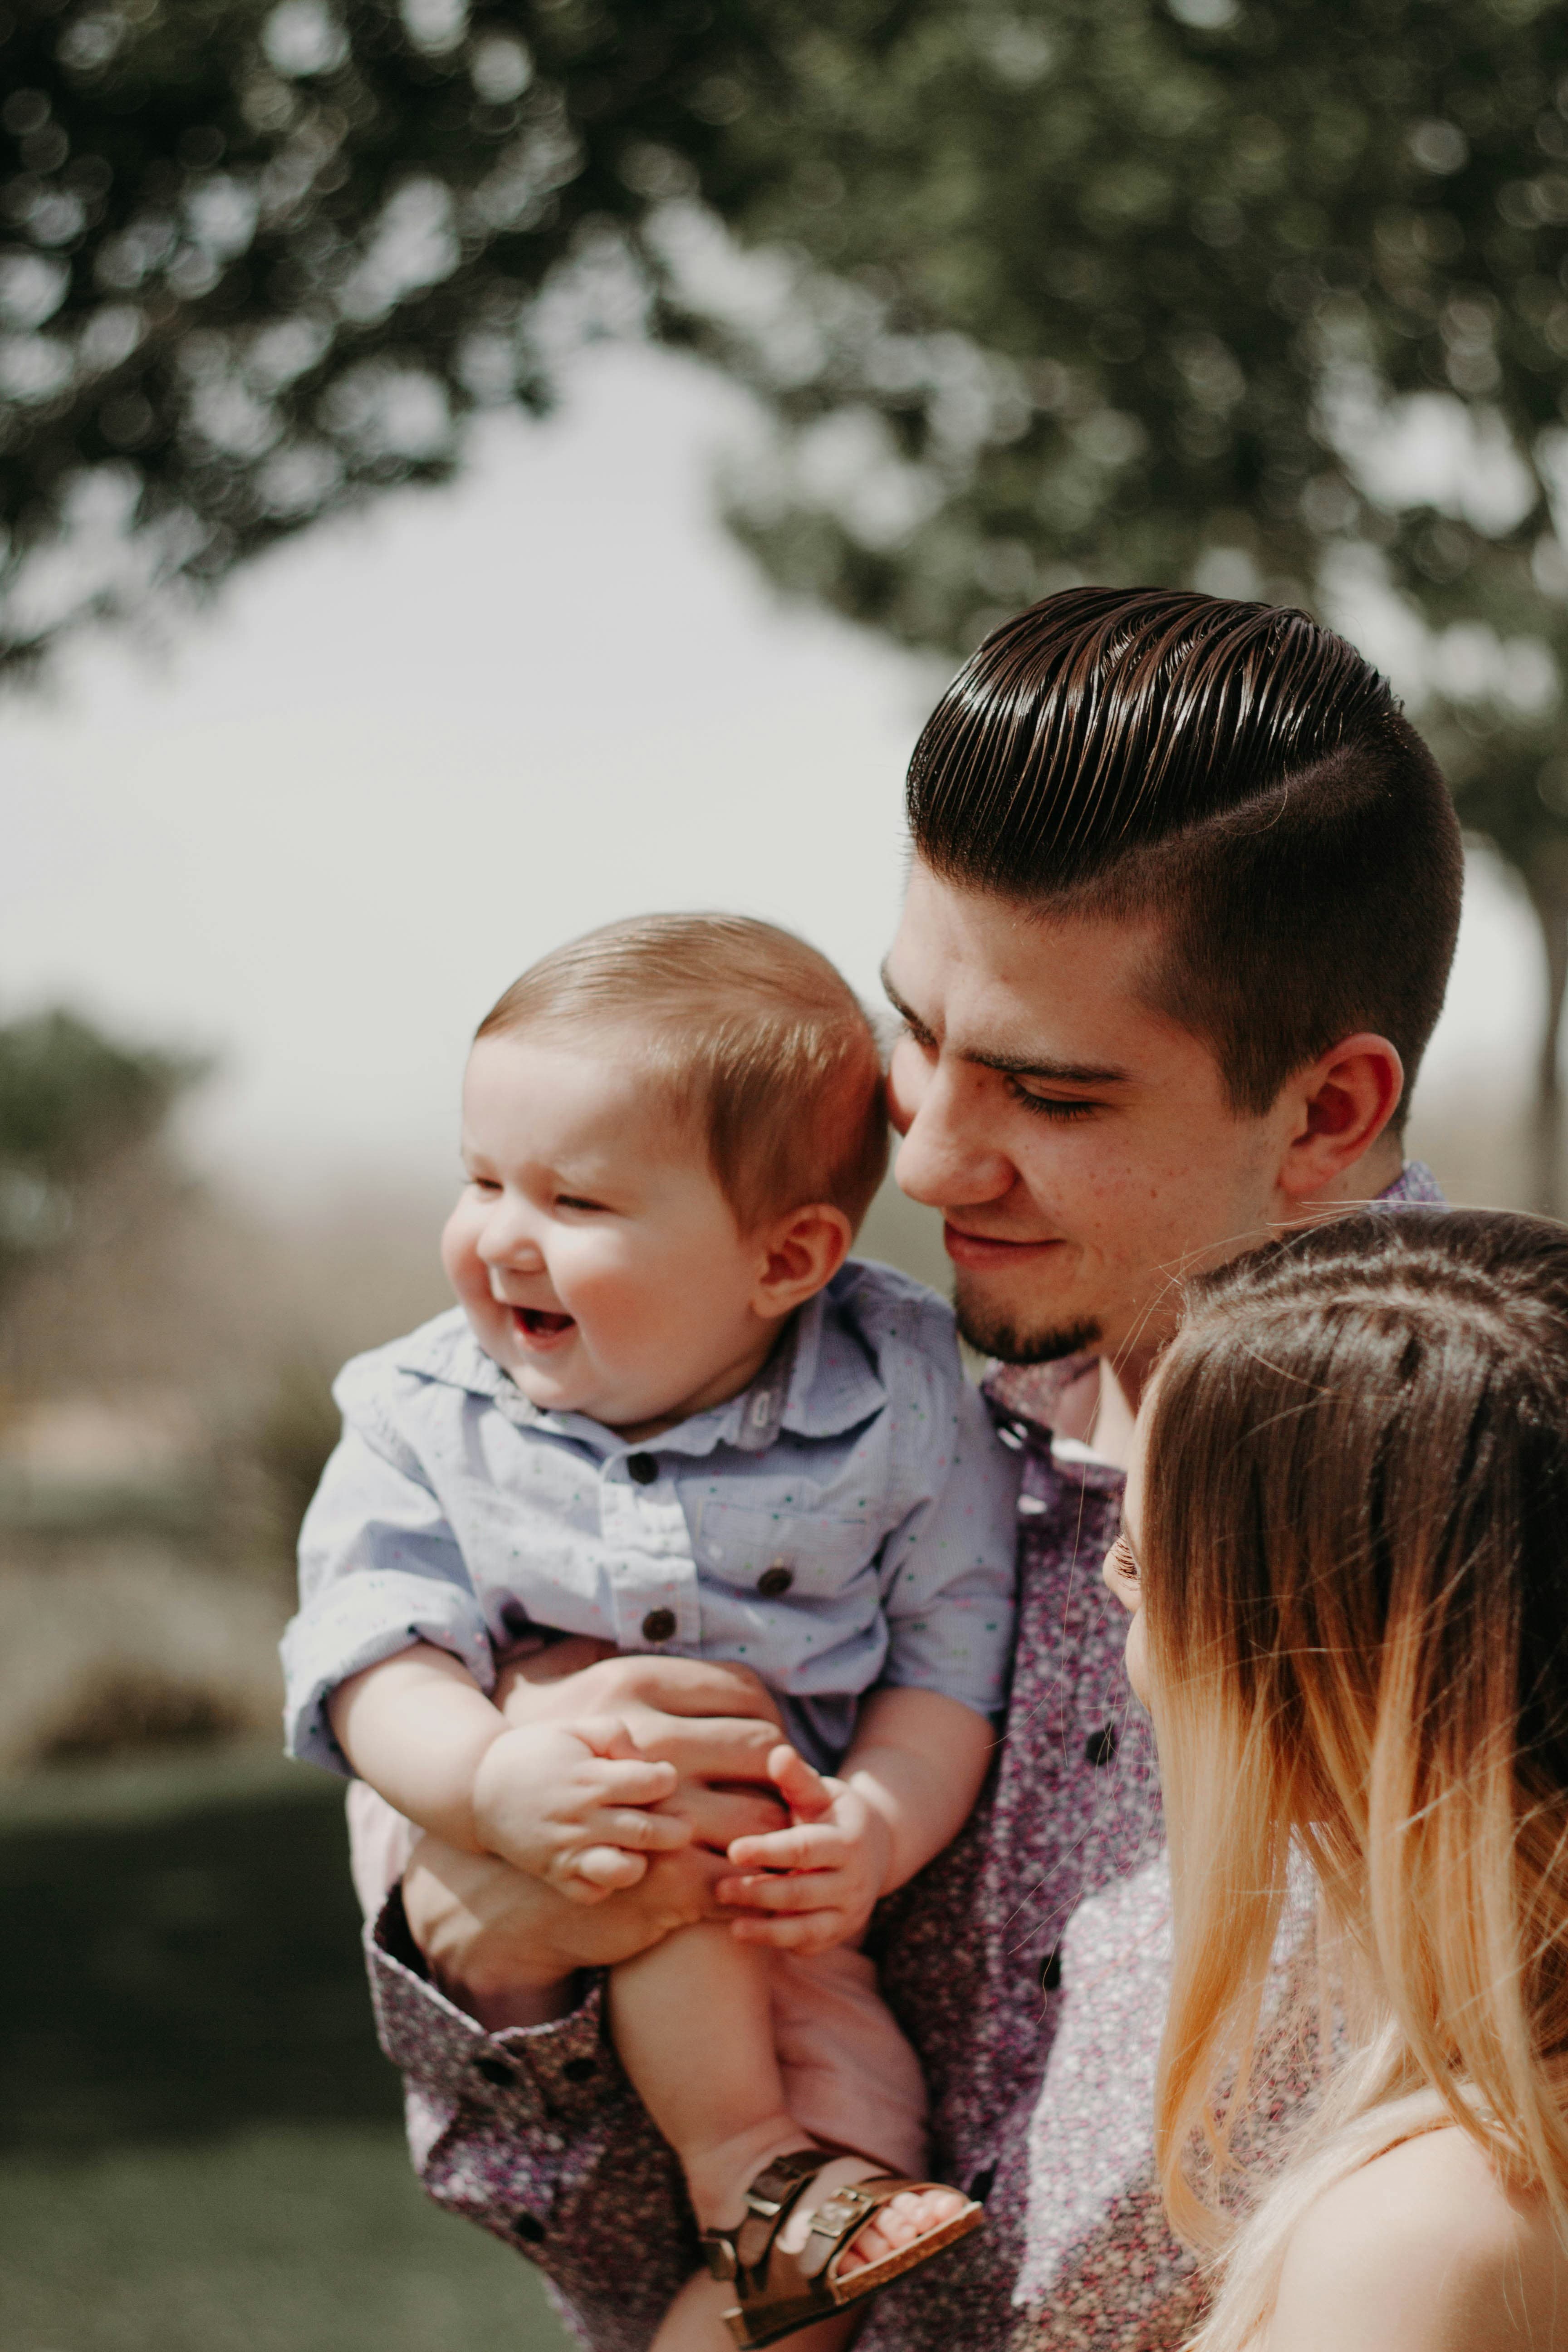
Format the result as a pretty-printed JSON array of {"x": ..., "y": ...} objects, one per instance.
[
  {"x": 484, "y": 1183},
  {"x": 573, "y": 1200}
]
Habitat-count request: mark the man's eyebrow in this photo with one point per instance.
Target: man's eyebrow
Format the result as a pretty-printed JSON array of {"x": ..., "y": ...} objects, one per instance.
[{"x": 1065, "y": 1074}]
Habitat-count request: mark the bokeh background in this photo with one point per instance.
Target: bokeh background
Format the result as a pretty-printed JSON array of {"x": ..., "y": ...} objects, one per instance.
[{"x": 470, "y": 473}]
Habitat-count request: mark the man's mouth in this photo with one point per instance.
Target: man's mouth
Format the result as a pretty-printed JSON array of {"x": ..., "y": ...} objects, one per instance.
[
  {"x": 982, "y": 1250},
  {"x": 540, "y": 1327}
]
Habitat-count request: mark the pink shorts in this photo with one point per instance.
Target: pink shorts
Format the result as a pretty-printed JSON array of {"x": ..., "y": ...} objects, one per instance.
[{"x": 849, "y": 2075}]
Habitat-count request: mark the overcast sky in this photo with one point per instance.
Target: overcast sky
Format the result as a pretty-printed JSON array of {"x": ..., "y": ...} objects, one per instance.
[{"x": 402, "y": 758}]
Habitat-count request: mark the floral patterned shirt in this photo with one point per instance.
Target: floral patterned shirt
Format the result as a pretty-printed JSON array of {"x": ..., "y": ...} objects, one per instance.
[{"x": 1027, "y": 1963}]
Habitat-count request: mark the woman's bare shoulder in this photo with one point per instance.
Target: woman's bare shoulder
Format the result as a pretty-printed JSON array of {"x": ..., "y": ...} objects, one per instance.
[{"x": 1423, "y": 2248}]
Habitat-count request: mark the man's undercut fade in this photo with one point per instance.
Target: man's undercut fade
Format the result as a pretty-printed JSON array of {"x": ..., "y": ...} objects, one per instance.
[
  {"x": 1235, "y": 771},
  {"x": 763, "y": 1048}
]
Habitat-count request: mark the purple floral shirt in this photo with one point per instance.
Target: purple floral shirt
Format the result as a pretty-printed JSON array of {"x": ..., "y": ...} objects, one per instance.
[{"x": 1027, "y": 1963}]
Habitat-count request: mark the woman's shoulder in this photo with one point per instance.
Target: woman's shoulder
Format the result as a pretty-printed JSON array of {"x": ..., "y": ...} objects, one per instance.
[{"x": 1425, "y": 2249}]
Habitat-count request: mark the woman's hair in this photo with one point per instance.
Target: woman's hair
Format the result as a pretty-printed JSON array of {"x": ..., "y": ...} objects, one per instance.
[
  {"x": 1353, "y": 1558},
  {"x": 761, "y": 1048}
]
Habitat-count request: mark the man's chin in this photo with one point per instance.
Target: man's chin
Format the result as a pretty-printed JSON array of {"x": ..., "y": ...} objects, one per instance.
[{"x": 991, "y": 1330}]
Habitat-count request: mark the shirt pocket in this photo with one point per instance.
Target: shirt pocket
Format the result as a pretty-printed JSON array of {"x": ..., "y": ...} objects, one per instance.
[{"x": 770, "y": 1555}]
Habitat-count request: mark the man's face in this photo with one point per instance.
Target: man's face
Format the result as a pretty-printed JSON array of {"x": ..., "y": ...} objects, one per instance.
[{"x": 1079, "y": 1146}]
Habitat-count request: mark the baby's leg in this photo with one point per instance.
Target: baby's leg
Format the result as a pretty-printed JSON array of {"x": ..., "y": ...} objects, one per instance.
[{"x": 693, "y": 2021}]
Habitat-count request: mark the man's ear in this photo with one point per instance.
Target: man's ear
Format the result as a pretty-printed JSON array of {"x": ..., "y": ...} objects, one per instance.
[
  {"x": 800, "y": 1254},
  {"x": 1341, "y": 1106}
]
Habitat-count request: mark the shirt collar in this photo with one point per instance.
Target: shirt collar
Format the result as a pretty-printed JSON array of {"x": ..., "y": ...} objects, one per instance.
[{"x": 818, "y": 1383}]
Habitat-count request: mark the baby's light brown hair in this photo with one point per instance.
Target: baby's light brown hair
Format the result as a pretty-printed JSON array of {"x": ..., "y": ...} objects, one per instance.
[{"x": 765, "y": 1050}]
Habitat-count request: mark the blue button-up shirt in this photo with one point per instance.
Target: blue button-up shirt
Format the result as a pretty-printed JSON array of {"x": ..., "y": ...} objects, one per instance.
[{"x": 860, "y": 1472}]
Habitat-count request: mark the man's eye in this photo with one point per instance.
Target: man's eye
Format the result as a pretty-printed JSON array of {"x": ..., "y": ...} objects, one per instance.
[{"x": 1052, "y": 1106}]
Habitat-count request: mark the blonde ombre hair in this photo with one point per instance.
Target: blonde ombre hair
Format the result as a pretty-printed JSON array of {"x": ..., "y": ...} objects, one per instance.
[
  {"x": 1352, "y": 1561},
  {"x": 760, "y": 1045}
]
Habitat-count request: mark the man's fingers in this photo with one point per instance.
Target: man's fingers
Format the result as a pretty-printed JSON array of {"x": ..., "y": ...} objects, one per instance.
[
  {"x": 694, "y": 1686},
  {"x": 720, "y": 1816},
  {"x": 806, "y": 1890},
  {"x": 812, "y": 1932},
  {"x": 604, "y": 1869},
  {"x": 639, "y": 1832},
  {"x": 634, "y": 1781},
  {"x": 707, "y": 1747}
]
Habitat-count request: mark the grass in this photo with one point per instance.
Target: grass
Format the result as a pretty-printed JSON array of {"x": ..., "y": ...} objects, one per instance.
[
  {"x": 200, "y": 2145},
  {"x": 280, "y": 2238}
]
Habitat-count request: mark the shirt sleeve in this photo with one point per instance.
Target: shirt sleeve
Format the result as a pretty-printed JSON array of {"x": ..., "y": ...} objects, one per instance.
[
  {"x": 534, "y": 2132},
  {"x": 948, "y": 1570},
  {"x": 379, "y": 1571}
]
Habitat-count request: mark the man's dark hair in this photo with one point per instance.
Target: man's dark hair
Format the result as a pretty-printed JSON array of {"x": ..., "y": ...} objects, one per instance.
[{"x": 1236, "y": 771}]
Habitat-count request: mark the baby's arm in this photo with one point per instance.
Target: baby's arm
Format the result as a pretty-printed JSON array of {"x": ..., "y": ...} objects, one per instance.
[
  {"x": 564, "y": 1802},
  {"x": 907, "y": 1787}
]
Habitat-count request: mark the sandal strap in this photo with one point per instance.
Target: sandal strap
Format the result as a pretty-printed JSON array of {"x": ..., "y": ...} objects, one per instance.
[{"x": 730, "y": 2253}]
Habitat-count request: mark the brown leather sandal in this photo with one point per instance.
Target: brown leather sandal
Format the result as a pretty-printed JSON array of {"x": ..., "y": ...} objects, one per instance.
[{"x": 781, "y": 2292}]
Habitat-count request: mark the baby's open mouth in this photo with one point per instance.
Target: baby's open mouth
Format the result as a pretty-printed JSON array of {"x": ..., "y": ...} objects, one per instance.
[{"x": 539, "y": 1324}]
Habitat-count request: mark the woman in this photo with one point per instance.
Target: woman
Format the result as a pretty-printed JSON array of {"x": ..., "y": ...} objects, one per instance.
[{"x": 1346, "y": 1554}]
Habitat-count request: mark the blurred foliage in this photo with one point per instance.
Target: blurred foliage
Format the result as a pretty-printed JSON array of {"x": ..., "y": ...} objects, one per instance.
[
  {"x": 1106, "y": 285},
  {"x": 298, "y": 1428},
  {"x": 1269, "y": 297},
  {"x": 262, "y": 257},
  {"x": 73, "y": 1102}
]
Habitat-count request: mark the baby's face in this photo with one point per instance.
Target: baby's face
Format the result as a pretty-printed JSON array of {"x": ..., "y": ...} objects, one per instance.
[{"x": 598, "y": 1260}]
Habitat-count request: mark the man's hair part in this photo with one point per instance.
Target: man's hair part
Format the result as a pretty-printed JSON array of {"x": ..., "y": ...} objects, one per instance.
[
  {"x": 1235, "y": 771},
  {"x": 763, "y": 1048}
]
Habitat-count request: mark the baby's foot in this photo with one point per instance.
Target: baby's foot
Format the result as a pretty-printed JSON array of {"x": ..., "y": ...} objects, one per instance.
[{"x": 911, "y": 2215}]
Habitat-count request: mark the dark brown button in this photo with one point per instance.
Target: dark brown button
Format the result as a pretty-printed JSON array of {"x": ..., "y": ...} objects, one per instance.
[
  {"x": 499, "y": 2071},
  {"x": 580, "y": 2070},
  {"x": 529, "y": 2228},
  {"x": 658, "y": 1625},
  {"x": 642, "y": 1467},
  {"x": 1100, "y": 1748},
  {"x": 1051, "y": 1971},
  {"x": 775, "y": 1581}
]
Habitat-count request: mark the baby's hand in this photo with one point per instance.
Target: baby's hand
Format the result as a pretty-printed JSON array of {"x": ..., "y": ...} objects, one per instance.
[
  {"x": 565, "y": 1802},
  {"x": 820, "y": 1877}
]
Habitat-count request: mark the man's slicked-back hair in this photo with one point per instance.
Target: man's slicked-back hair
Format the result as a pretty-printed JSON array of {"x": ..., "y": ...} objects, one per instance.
[{"x": 1235, "y": 771}]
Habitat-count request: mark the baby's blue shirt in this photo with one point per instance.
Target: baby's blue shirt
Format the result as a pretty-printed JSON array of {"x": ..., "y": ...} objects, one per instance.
[{"x": 860, "y": 1472}]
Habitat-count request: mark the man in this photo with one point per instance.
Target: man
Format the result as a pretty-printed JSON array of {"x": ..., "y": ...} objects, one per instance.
[{"x": 1183, "y": 900}]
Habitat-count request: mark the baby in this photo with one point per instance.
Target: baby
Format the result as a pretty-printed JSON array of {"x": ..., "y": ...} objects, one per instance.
[{"x": 671, "y": 1414}]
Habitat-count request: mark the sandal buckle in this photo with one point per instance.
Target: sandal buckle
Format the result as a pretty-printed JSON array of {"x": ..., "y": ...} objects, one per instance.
[
  {"x": 719, "y": 2253},
  {"x": 845, "y": 2206}
]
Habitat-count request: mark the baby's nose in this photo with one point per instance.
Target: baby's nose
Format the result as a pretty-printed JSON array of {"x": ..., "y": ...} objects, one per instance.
[{"x": 506, "y": 1241}]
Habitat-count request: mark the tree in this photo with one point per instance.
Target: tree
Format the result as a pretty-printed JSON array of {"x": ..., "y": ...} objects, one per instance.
[
  {"x": 1270, "y": 297},
  {"x": 265, "y": 259},
  {"x": 1273, "y": 297},
  {"x": 74, "y": 1103}
]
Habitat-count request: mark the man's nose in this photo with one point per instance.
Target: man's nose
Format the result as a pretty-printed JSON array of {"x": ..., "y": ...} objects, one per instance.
[{"x": 946, "y": 1158}]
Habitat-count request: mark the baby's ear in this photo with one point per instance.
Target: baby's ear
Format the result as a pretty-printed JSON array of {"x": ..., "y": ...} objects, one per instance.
[{"x": 801, "y": 1252}]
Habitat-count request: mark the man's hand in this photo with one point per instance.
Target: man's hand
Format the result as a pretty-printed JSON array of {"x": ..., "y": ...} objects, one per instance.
[
  {"x": 568, "y": 1803},
  {"x": 814, "y": 1884},
  {"x": 716, "y": 1724},
  {"x": 507, "y": 1948}
]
